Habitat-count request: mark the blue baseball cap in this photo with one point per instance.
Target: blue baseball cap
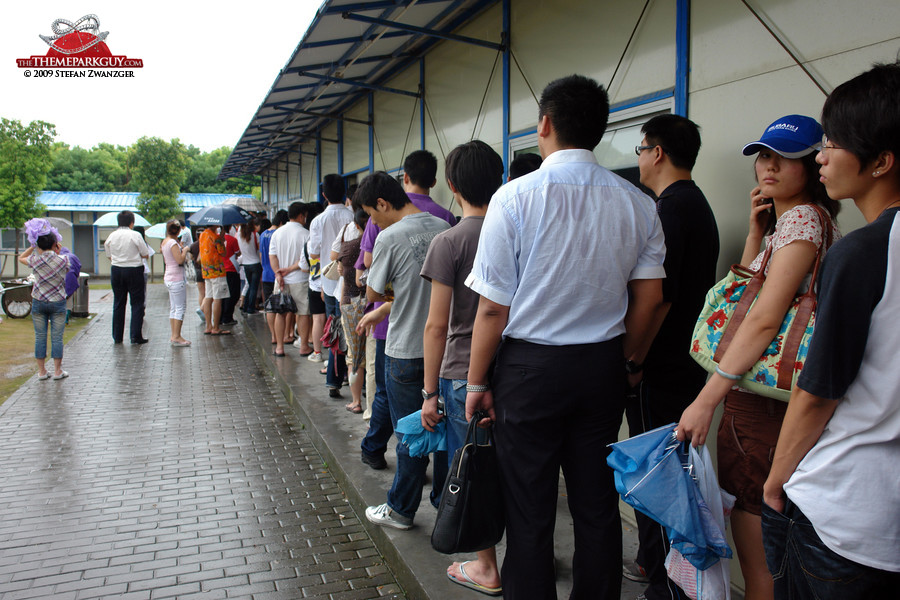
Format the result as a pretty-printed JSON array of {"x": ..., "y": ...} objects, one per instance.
[{"x": 793, "y": 136}]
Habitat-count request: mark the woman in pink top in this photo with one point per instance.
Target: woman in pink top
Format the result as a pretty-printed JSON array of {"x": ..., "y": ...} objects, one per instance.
[{"x": 173, "y": 255}]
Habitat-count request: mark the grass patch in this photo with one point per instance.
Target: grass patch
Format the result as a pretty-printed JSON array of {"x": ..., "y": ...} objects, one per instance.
[{"x": 17, "y": 362}]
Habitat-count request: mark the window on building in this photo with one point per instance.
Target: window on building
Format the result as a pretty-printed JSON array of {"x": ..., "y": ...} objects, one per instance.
[{"x": 8, "y": 239}]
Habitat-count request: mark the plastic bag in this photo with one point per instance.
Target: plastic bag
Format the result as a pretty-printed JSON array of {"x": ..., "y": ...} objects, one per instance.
[
  {"x": 714, "y": 583},
  {"x": 653, "y": 474},
  {"x": 419, "y": 440}
]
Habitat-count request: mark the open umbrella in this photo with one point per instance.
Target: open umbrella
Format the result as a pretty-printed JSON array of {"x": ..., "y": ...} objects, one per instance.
[
  {"x": 220, "y": 214},
  {"x": 251, "y": 204},
  {"x": 111, "y": 219},
  {"x": 59, "y": 223},
  {"x": 158, "y": 231}
]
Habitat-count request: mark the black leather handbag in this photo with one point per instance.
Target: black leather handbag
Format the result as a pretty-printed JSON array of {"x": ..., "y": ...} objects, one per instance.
[{"x": 471, "y": 516}]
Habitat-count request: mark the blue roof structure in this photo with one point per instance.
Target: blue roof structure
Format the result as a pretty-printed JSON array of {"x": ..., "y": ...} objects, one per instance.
[{"x": 110, "y": 201}]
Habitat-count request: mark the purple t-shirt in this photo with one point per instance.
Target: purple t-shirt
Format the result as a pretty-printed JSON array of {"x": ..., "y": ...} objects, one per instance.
[{"x": 367, "y": 244}]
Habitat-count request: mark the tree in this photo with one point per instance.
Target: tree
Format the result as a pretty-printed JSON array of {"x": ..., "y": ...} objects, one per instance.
[
  {"x": 24, "y": 162},
  {"x": 158, "y": 169}
]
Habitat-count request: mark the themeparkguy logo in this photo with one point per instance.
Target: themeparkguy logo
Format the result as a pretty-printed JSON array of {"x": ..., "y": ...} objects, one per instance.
[{"x": 78, "y": 45}]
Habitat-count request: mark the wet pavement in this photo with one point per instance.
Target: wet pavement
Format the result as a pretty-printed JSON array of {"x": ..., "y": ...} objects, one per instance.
[
  {"x": 215, "y": 471},
  {"x": 159, "y": 472}
]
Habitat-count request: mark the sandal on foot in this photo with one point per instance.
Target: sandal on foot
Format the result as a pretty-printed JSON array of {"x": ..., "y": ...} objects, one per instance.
[
  {"x": 354, "y": 408},
  {"x": 472, "y": 584},
  {"x": 44, "y": 376},
  {"x": 62, "y": 375}
]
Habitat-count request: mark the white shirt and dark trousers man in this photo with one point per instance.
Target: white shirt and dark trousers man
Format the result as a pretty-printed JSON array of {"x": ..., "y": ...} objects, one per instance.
[
  {"x": 559, "y": 249},
  {"x": 125, "y": 248}
]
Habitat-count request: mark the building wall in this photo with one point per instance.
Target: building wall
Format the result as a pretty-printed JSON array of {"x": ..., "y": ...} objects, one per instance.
[{"x": 741, "y": 79}]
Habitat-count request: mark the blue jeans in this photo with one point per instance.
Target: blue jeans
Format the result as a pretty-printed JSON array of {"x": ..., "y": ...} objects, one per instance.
[
  {"x": 55, "y": 314},
  {"x": 803, "y": 567},
  {"x": 337, "y": 363},
  {"x": 453, "y": 391},
  {"x": 405, "y": 378},
  {"x": 380, "y": 427},
  {"x": 253, "y": 273}
]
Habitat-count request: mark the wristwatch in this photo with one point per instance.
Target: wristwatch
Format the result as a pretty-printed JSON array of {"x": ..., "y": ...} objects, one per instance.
[
  {"x": 632, "y": 368},
  {"x": 429, "y": 395}
]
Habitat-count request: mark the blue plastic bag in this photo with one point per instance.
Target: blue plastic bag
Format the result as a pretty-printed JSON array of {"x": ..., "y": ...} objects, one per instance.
[
  {"x": 419, "y": 440},
  {"x": 653, "y": 474}
]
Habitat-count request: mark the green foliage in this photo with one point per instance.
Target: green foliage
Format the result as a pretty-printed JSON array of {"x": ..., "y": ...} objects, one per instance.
[
  {"x": 104, "y": 168},
  {"x": 158, "y": 169},
  {"x": 101, "y": 169},
  {"x": 24, "y": 162}
]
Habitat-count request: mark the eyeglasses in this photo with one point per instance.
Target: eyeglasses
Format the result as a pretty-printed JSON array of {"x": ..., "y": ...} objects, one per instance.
[
  {"x": 639, "y": 149},
  {"x": 825, "y": 147}
]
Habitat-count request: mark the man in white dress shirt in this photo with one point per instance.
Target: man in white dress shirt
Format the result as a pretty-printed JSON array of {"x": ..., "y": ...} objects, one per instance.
[
  {"x": 569, "y": 268},
  {"x": 126, "y": 249}
]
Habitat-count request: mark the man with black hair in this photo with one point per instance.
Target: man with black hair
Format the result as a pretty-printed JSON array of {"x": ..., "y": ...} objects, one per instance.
[
  {"x": 523, "y": 164},
  {"x": 419, "y": 176},
  {"x": 397, "y": 260},
  {"x": 285, "y": 255},
  {"x": 569, "y": 294},
  {"x": 125, "y": 249},
  {"x": 322, "y": 232},
  {"x": 669, "y": 379},
  {"x": 474, "y": 171}
]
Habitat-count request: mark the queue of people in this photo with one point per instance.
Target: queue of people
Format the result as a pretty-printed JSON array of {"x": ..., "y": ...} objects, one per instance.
[{"x": 565, "y": 300}]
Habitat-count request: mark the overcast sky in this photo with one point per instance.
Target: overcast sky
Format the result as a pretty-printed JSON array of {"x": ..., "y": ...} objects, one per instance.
[{"x": 207, "y": 67}]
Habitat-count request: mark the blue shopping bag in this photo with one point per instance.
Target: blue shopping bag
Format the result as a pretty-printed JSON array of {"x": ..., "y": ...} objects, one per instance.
[{"x": 419, "y": 440}]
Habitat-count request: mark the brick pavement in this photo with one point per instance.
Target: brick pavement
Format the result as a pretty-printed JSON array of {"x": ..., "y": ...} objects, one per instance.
[{"x": 159, "y": 472}]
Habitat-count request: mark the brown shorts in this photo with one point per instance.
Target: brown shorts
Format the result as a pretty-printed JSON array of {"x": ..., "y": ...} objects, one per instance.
[{"x": 746, "y": 445}]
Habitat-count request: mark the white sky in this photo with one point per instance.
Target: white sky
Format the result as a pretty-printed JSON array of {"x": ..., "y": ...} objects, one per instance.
[{"x": 207, "y": 68}]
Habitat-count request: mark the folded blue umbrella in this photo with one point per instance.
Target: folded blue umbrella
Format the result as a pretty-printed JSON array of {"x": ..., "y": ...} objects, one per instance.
[
  {"x": 653, "y": 474},
  {"x": 419, "y": 440}
]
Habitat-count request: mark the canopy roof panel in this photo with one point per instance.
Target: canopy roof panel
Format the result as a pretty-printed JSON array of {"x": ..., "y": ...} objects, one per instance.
[{"x": 351, "y": 48}]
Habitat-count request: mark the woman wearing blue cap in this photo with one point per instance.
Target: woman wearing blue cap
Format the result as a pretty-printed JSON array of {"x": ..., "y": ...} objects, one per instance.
[{"x": 782, "y": 219}]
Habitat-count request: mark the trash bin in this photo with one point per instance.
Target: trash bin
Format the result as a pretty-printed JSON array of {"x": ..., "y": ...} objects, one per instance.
[{"x": 80, "y": 297}]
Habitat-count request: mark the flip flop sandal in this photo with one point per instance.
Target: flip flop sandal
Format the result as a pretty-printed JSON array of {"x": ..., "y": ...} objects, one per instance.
[
  {"x": 220, "y": 332},
  {"x": 62, "y": 375},
  {"x": 354, "y": 409},
  {"x": 44, "y": 376},
  {"x": 470, "y": 583}
]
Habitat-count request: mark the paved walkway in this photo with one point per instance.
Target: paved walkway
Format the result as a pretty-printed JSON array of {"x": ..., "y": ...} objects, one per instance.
[{"x": 159, "y": 472}]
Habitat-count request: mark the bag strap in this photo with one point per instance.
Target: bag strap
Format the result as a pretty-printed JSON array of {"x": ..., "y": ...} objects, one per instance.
[
  {"x": 805, "y": 309},
  {"x": 807, "y": 305}
]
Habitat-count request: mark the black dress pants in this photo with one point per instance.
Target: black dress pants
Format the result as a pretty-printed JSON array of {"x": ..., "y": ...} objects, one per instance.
[
  {"x": 127, "y": 282},
  {"x": 559, "y": 406}
]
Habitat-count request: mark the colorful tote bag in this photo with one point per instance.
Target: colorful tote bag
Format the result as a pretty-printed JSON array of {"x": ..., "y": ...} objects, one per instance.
[{"x": 725, "y": 308}]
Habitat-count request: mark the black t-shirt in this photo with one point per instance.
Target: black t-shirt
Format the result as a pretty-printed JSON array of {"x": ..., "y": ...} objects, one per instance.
[
  {"x": 851, "y": 284},
  {"x": 692, "y": 251}
]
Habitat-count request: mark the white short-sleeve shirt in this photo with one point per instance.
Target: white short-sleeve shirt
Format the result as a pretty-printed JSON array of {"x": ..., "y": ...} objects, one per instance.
[{"x": 559, "y": 247}]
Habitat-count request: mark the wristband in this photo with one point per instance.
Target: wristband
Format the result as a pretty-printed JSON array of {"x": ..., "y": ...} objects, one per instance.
[
  {"x": 727, "y": 375},
  {"x": 476, "y": 388}
]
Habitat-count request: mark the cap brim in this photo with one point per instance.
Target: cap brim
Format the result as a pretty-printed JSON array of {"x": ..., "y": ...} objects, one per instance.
[{"x": 788, "y": 150}]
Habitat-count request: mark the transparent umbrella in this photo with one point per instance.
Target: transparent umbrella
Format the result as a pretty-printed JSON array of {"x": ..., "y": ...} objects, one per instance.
[
  {"x": 158, "y": 231},
  {"x": 251, "y": 204},
  {"x": 111, "y": 219}
]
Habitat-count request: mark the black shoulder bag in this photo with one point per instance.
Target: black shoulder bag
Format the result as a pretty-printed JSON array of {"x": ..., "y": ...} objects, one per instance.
[{"x": 471, "y": 516}]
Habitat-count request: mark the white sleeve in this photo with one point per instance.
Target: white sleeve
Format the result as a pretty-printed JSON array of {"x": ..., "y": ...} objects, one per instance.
[{"x": 495, "y": 270}]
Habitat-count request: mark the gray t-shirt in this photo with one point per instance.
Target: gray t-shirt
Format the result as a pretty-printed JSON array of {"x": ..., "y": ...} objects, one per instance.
[
  {"x": 449, "y": 262},
  {"x": 397, "y": 259}
]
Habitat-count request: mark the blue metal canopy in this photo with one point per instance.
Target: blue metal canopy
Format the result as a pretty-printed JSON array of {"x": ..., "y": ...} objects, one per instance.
[{"x": 352, "y": 47}]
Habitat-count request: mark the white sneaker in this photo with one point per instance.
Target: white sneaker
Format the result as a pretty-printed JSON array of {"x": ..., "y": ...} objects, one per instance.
[
  {"x": 383, "y": 515},
  {"x": 297, "y": 343},
  {"x": 315, "y": 357}
]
